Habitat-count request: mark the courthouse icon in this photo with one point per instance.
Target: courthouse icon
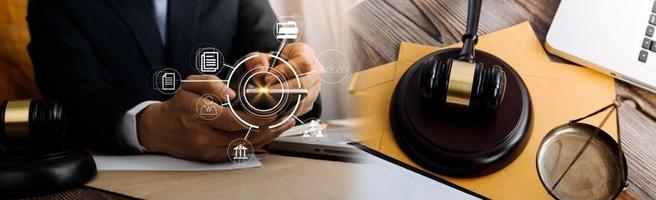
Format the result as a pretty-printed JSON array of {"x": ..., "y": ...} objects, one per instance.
[{"x": 240, "y": 152}]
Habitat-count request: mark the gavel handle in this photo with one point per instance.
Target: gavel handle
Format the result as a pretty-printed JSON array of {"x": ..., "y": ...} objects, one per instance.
[{"x": 469, "y": 39}]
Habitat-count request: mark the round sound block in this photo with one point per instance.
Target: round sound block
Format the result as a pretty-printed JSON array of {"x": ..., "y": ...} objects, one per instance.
[
  {"x": 28, "y": 173},
  {"x": 461, "y": 143}
]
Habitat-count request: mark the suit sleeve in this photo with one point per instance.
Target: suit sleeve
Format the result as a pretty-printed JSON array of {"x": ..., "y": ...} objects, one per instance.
[
  {"x": 66, "y": 69},
  {"x": 255, "y": 33}
]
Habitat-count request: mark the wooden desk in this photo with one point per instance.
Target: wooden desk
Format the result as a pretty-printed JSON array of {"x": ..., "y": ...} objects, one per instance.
[
  {"x": 380, "y": 25},
  {"x": 280, "y": 177}
]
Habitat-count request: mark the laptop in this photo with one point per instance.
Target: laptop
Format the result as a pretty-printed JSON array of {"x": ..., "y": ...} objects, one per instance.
[
  {"x": 615, "y": 37},
  {"x": 334, "y": 143}
]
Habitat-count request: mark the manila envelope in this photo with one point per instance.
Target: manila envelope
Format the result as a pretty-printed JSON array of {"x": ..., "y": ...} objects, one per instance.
[{"x": 559, "y": 93}]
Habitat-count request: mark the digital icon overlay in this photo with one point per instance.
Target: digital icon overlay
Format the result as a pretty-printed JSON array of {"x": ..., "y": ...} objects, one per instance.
[
  {"x": 283, "y": 96},
  {"x": 208, "y": 60},
  {"x": 282, "y": 100},
  {"x": 313, "y": 131},
  {"x": 207, "y": 107},
  {"x": 165, "y": 81},
  {"x": 336, "y": 65},
  {"x": 288, "y": 29},
  {"x": 240, "y": 151}
]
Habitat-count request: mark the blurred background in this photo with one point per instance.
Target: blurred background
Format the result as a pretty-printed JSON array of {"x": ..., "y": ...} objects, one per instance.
[
  {"x": 17, "y": 77},
  {"x": 326, "y": 26}
]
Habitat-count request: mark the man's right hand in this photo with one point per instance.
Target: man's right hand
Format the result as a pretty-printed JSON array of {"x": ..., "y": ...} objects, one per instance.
[{"x": 174, "y": 127}]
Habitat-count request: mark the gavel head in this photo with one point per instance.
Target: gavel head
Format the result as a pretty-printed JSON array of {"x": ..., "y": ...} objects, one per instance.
[
  {"x": 462, "y": 84},
  {"x": 35, "y": 123}
]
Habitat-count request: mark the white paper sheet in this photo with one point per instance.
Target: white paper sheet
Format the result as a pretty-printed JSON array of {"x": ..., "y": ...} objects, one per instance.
[
  {"x": 163, "y": 163},
  {"x": 377, "y": 178}
]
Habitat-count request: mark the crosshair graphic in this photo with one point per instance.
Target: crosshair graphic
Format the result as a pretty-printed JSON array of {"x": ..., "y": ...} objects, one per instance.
[
  {"x": 286, "y": 94},
  {"x": 284, "y": 90},
  {"x": 258, "y": 98}
]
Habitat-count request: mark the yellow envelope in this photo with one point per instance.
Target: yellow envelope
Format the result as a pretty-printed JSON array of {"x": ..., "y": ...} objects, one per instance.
[{"x": 559, "y": 93}]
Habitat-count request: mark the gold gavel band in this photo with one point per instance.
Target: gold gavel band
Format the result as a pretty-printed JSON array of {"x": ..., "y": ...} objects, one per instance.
[
  {"x": 17, "y": 116},
  {"x": 461, "y": 81}
]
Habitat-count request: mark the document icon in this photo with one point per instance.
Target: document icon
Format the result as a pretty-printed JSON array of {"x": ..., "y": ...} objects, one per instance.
[
  {"x": 209, "y": 62},
  {"x": 168, "y": 81},
  {"x": 287, "y": 30}
]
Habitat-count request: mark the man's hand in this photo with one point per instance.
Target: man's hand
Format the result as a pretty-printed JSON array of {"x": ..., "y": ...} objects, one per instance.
[
  {"x": 174, "y": 127},
  {"x": 303, "y": 61}
]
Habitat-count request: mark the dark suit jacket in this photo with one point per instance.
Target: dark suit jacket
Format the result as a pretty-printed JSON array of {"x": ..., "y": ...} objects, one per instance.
[{"x": 94, "y": 55}]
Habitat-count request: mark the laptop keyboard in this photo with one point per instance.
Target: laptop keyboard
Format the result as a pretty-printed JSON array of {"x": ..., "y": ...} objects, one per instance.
[{"x": 649, "y": 44}]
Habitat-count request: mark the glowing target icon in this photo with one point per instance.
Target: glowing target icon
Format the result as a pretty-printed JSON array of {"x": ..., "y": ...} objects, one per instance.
[{"x": 258, "y": 98}]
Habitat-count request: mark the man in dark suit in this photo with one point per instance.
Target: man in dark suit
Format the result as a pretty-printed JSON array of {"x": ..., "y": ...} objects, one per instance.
[{"x": 95, "y": 56}]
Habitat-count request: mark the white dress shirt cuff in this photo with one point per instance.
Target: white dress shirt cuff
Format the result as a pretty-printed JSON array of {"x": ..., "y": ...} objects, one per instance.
[{"x": 128, "y": 125}]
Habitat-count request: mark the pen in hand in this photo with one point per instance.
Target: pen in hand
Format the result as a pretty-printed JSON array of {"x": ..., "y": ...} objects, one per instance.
[{"x": 283, "y": 42}]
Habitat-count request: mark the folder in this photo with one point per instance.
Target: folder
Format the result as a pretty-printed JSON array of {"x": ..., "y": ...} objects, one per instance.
[{"x": 559, "y": 92}]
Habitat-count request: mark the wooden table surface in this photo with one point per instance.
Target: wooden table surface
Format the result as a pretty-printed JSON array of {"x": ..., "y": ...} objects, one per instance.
[
  {"x": 280, "y": 177},
  {"x": 380, "y": 25}
]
